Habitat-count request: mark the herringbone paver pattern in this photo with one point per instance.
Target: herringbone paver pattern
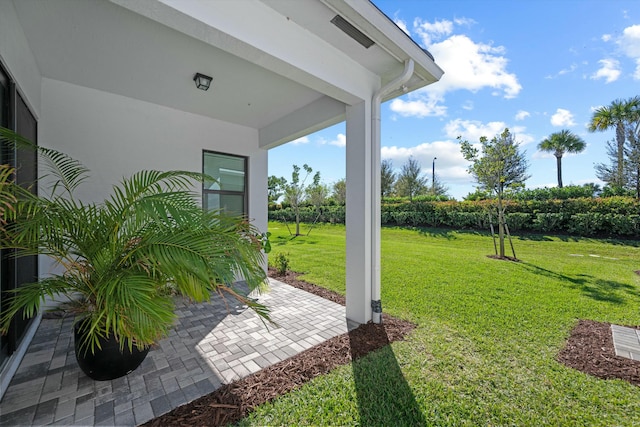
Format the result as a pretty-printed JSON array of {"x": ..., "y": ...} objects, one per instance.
[{"x": 212, "y": 344}]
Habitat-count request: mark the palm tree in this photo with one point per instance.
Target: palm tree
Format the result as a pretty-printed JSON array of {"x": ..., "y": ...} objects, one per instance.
[
  {"x": 124, "y": 259},
  {"x": 617, "y": 115},
  {"x": 560, "y": 143}
]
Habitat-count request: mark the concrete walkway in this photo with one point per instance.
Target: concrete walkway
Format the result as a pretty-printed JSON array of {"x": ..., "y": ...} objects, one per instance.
[
  {"x": 209, "y": 347},
  {"x": 626, "y": 342}
]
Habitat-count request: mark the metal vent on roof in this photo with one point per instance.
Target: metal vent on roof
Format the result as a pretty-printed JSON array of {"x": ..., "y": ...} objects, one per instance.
[{"x": 352, "y": 31}]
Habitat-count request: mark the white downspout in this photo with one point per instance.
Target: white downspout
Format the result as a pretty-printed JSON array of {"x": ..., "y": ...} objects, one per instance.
[{"x": 376, "y": 305}]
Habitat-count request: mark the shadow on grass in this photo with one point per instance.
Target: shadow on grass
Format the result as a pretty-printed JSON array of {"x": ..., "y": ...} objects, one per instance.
[
  {"x": 597, "y": 289},
  {"x": 384, "y": 396},
  {"x": 442, "y": 233}
]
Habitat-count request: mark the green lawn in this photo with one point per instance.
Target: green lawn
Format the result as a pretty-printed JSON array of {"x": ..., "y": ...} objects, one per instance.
[{"x": 488, "y": 332}]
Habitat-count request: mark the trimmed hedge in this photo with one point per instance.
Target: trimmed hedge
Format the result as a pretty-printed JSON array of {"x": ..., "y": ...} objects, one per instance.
[{"x": 611, "y": 216}]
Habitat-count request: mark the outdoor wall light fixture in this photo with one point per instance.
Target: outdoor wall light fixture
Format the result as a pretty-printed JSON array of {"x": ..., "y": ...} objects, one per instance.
[{"x": 202, "y": 82}]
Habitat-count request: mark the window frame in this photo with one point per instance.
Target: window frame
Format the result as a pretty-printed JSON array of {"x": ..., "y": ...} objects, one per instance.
[{"x": 244, "y": 194}]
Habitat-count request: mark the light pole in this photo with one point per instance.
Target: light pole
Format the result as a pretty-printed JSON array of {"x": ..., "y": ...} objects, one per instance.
[{"x": 433, "y": 176}]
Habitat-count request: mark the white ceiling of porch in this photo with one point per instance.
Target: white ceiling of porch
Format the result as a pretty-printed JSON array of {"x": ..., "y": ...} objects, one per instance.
[{"x": 101, "y": 45}]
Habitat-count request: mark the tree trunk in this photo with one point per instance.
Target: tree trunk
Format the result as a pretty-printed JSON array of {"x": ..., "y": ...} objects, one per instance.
[
  {"x": 501, "y": 224},
  {"x": 620, "y": 138},
  {"x": 559, "y": 162},
  {"x": 297, "y": 222}
]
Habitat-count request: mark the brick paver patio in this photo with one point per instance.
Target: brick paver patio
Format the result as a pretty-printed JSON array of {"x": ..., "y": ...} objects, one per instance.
[{"x": 210, "y": 346}]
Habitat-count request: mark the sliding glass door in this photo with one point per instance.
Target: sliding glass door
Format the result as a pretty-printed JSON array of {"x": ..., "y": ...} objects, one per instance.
[{"x": 15, "y": 114}]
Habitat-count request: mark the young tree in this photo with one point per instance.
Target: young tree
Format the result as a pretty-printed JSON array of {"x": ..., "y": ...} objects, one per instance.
[
  {"x": 294, "y": 191},
  {"x": 411, "y": 182},
  {"x": 317, "y": 192},
  {"x": 340, "y": 191},
  {"x": 608, "y": 172},
  {"x": 275, "y": 188},
  {"x": 618, "y": 115},
  {"x": 387, "y": 178},
  {"x": 560, "y": 143},
  {"x": 633, "y": 154},
  {"x": 499, "y": 165},
  {"x": 438, "y": 188}
]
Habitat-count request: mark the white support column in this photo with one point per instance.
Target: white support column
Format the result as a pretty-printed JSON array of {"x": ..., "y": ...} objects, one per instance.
[{"x": 363, "y": 251}]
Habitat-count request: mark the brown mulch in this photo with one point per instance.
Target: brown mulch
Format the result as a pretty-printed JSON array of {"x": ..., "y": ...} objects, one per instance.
[
  {"x": 590, "y": 349},
  {"x": 234, "y": 401}
]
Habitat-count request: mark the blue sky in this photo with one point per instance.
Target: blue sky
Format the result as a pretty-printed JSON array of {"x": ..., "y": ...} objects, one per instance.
[{"x": 536, "y": 67}]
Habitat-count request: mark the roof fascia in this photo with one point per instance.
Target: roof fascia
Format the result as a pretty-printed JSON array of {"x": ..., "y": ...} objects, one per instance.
[{"x": 386, "y": 34}]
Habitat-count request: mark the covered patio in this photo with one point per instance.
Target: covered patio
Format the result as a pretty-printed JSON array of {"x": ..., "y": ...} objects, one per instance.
[
  {"x": 110, "y": 83},
  {"x": 211, "y": 345}
]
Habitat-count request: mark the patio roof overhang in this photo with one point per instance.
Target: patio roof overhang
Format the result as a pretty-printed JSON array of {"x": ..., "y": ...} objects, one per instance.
[
  {"x": 280, "y": 67},
  {"x": 270, "y": 60}
]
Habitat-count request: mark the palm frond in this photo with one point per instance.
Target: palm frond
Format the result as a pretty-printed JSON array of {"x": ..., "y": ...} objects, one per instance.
[{"x": 65, "y": 171}]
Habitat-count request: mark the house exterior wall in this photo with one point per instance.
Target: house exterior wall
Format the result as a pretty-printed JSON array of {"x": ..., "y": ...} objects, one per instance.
[{"x": 115, "y": 136}]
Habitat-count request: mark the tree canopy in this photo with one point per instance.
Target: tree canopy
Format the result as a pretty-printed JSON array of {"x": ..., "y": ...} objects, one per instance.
[
  {"x": 411, "y": 182},
  {"x": 560, "y": 143}
]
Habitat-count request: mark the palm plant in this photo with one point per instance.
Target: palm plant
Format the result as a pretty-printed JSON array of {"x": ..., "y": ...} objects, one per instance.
[
  {"x": 617, "y": 115},
  {"x": 560, "y": 143},
  {"x": 122, "y": 261}
]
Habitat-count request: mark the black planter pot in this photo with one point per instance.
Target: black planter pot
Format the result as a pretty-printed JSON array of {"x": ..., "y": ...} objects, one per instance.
[{"x": 108, "y": 362}]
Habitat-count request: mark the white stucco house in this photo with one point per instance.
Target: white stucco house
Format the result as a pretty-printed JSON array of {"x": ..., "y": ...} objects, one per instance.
[{"x": 111, "y": 82}]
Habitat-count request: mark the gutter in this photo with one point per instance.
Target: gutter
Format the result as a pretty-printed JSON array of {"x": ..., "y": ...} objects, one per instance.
[{"x": 376, "y": 304}]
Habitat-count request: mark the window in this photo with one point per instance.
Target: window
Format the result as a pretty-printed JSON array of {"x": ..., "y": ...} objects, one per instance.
[{"x": 229, "y": 190}]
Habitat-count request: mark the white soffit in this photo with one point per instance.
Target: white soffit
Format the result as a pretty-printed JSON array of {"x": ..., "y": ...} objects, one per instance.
[
  {"x": 267, "y": 58},
  {"x": 100, "y": 45}
]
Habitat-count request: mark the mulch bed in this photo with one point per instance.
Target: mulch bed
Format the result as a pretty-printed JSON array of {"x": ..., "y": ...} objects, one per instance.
[
  {"x": 590, "y": 349},
  {"x": 234, "y": 401}
]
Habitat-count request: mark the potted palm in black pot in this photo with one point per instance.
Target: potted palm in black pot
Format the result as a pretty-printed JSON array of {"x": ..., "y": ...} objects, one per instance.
[{"x": 121, "y": 262}]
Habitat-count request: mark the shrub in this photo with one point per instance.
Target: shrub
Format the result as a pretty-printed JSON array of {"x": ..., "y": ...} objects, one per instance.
[
  {"x": 281, "y": 262},
  {"x": 518, "y": 221},
  {"x": 625, "y": 225},
  {"x": 547, "y": 222},
  {"x": 587, "y": 224}
]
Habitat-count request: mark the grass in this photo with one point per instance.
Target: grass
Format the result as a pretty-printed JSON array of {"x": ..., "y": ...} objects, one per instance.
[{"x": 488, "y": 332}]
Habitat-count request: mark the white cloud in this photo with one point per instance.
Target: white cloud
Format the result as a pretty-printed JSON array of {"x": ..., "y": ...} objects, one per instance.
[
  {"x": 450, "y": 166},
  {"x": 468, "y": 105},
  {"x": 629, "y": 43},
  {"x": 564, "y": 71},
  {"x": 340, "y": 141},
  {"x": 402, "y": 25},
  {"x": 472, "y": 130},
  {"x": 423, "y": 106},
  {"x": 429, "y": 31},
  {"x": 605, "y": 37},
  {"x": 562, "y": 117},
  {"x": 472, "y": 66},
  {"x": 468, "y": 66},
  {"x": 609, "y": 70},
  {"x": 521, "y": 115},
  {"x": 303, "y": 140}
]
